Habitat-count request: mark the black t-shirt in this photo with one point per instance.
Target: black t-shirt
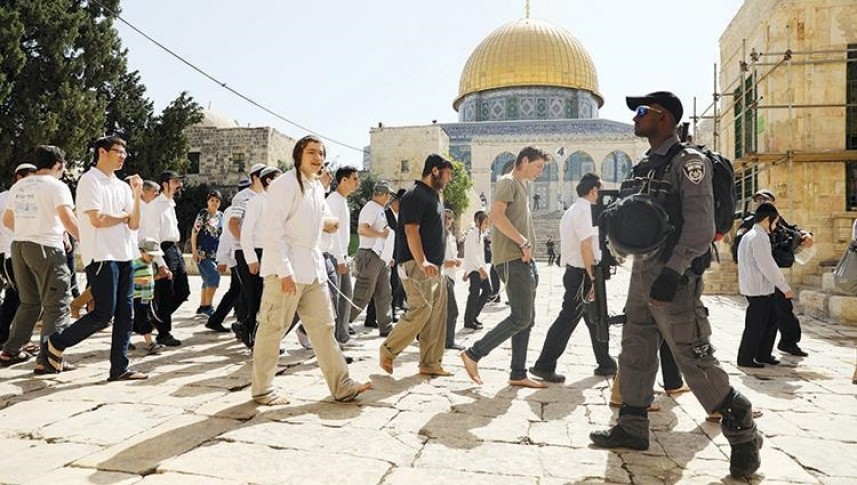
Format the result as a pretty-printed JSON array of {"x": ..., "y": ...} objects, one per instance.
[{"x": 421, "y": 205}]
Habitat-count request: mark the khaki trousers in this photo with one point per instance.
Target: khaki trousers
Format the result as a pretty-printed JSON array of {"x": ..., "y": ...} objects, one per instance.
[
  {"x": 312, "y": 303},
  {"x": 426, "y": 317}
]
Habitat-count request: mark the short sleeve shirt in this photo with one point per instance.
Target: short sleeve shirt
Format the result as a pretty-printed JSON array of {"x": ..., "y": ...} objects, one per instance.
[
  {"x": 144, "y": 280},
  {"x": 109, "y": 195},
  {"x": 208, "y": 228},
  {"x": 514, "y": 193},
  {"x": 422, "y": 205},
  {"x": 34, "y": 201}
]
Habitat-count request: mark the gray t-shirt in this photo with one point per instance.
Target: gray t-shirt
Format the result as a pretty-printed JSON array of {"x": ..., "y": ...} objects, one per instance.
[{"x": 514, "y": 193}]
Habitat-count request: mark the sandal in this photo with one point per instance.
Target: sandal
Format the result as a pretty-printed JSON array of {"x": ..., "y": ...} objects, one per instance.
[
  {"x": 7, "y": 359},
  {"x": 31, "y": 348},
  {"x": 39, "y": 371},
  {"x": 129, "y": 375}
]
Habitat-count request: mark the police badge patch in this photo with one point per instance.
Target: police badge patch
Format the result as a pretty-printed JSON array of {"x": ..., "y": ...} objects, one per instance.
[{"x": 694, "y": 170}]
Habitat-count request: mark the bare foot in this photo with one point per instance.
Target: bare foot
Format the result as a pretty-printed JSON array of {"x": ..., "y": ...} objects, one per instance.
[
  {"x": 472, "y": 368},
  {"x": 435, "y": 372},
  {"x": 528, "y": 383},
  {"x": 272, "y": 400},
  {"x": 364, "y": 387}
]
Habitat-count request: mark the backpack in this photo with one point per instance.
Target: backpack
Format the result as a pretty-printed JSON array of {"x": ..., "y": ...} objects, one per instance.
[{"x": 723, "y": 184}]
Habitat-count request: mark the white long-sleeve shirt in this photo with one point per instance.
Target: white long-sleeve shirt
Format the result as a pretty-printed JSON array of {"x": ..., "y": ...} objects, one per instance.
[
  {"x": 338, "y": 206},
  {"x": 226, "y": 245},
  {"x": 450, "y": 254},
  {"x": 291, "y": 235},
  {"x": 165, "y": 224},
  {"x": 474, "y": 252},
  {"x": 251, "y": 228},
  {"x": 758, "y": 273}
]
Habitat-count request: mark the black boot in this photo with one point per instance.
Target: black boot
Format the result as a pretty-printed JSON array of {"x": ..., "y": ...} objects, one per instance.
[
  {"x": 737, "y": 412},
  {"x": 632, "y": 431}
]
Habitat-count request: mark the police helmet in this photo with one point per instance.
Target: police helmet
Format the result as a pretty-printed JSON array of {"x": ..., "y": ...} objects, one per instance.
[{"x": 636, "y": 225}]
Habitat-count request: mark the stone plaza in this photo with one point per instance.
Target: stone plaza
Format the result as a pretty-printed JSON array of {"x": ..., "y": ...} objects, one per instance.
[{"x": 192, "y": 421}]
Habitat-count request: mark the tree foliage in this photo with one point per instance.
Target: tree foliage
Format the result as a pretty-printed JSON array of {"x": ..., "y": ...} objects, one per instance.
[
  {"x": 456, "y": 194},
  {"x": 64, "y": 81}
]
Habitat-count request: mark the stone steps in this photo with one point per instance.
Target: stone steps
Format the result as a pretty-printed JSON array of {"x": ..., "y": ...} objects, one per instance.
[{"x": 820, "y": 298}]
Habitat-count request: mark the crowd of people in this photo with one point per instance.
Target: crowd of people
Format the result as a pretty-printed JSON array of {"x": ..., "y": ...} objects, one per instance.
[{"x": 285, "y": 238}]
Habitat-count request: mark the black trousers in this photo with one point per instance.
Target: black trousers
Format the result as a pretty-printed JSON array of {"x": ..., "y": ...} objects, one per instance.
[
  {"x": 170, "y": 293},
  {"x": 10, "y": 299},
  {"x": 669, "y": 368},
  {"x": 231, "y": 299},
  {"x": 251, "y": 289},
  {"x": 577, "y": 285},
  {"x": 759, "y": 322},
  {"x": 142, "y": 317},
  {"x": 787, "y": 323},
  {"x": 398, "y": 291},
  {"x": 451, "y": 311},
  {"x": 479, "y": 292}
]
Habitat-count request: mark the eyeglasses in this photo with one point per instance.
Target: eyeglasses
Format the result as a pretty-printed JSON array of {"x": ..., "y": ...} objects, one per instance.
[
  {"x": 119, "y": 151},
  {"x": 643, "y": 110}
]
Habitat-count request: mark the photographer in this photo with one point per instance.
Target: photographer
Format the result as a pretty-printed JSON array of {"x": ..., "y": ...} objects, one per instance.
[{"x": 785, "y": 241}]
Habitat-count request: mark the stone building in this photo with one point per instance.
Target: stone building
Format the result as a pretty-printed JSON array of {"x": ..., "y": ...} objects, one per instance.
[
  {"x": 528, "y": 82},
  {"x": 788, "y": 118},
  {"x": 221, "y": 151}
]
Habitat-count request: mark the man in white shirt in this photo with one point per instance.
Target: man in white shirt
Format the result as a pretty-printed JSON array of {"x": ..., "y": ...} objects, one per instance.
[
  {"x": 476, "y": 271},
  {"x": 449, "y": 270},
  {"x": 249, "y": 293},
  {"x": 170, "y": 292},
  {"x": 579, "y": 252},
  {"x": 110, "y": 213},
  {"x": 10, "y": 296},
  {"x": 758, "y": 277},
  {"x": 296, "y": 278},
  {"x": 347, "y": 181},
  {"x": 39, "y": 211},
  {"x": 373, "y": 273}
]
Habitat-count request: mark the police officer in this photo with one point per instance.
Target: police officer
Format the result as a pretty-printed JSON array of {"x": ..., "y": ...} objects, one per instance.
[{"x": 664, "y": 296}]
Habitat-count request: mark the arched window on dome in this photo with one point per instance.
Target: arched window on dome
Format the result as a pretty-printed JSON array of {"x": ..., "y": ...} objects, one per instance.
[
  {"x": 499, "y": 165},
  {"x": 577, "y": 164},
  {"x": 550, "y": 173},
  {"x": 616, "y": 166}
]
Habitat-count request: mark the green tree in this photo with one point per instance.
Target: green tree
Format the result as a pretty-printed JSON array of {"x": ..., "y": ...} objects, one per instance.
[
  {"x": 361, "y": 196},
  {"x": 456, "y": 194},
  {"x": 163, "y": 145}
]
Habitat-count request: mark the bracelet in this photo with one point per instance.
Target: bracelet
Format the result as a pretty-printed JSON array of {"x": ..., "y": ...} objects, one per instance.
[{"x": 524, "y": 244}]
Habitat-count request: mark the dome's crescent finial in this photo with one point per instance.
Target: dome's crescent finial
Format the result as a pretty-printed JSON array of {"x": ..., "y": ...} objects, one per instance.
[{"x": 527, "y": 9}]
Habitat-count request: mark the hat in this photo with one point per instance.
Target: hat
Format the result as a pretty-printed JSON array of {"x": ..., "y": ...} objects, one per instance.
[
  {"x": 214, "y": 193},
  {"x": 765, "y": 209},
  {"x": 167, "y": 175},
  {"x": 256, "y": 168},
  {"x": 243, "y": 183},
  {"x": 399, "y": 193},
  {"x": 25, "y": 166},
  {"x": 383, "y": 188},
  {"x": 436, "y": 161},
  {"x": 268, "y": 171},
  {"x": 668, "y": 100},
  {"x": 150, "y": 246},
  {"x": 766, "y": 194}
]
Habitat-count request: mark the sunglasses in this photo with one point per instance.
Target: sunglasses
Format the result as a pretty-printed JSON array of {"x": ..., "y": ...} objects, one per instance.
[{"x": 643, "y": 110}]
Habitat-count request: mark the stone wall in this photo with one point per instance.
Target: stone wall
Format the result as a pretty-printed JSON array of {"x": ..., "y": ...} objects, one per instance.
[{"x": 398, "y": 153}]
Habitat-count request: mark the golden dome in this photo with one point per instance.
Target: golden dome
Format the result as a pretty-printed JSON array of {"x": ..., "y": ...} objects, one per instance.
[{"x": 528, "y": 52}]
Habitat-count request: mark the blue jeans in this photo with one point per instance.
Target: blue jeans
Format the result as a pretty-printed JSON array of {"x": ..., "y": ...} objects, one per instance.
[
  {"x": 521, "y": 280},
  {"x": 113, "y": 295},
  {"x": 208, "y": 271}
]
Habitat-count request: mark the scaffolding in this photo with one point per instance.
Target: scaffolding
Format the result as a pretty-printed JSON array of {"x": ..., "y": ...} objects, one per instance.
[{"x": 756, "y": 67}]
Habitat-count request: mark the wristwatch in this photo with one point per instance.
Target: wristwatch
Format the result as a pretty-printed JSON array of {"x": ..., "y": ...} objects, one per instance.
[{"x": 524, "y": 244}]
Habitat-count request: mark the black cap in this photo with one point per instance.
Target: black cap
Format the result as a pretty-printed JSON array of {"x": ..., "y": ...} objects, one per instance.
[
  {"x": 167, "y": 175},
  {"x": 399, "y": 193},
  {"x": 668, "y": 100},
  {"x": 215, "y": 193},
  {"x": 765, "y": 209},
  {"x": 436, "y": 161}
]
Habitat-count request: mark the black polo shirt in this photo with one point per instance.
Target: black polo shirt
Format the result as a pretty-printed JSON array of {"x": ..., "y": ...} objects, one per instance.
[{"x": 421, "y": 205}]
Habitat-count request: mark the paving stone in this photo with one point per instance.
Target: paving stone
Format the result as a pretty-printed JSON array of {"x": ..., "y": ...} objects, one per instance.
[
  {"x": 143, "y": 452},
  {"x": 109, "y": 424},
  {"x": 29, "y": 417},
  {"x": 185, "y": 479},
  {"x": 498, "y": 458},
  {"x": 443, "y": 476},
  {"x": 831, "y": 456},
  {"x": 265, "y": 465},
  {"x": 29, "y": 460},
  {"x": 83, "y": 476}
]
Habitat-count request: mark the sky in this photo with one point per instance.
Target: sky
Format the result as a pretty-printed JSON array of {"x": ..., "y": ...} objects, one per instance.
[{"x": 340, "y": 67}]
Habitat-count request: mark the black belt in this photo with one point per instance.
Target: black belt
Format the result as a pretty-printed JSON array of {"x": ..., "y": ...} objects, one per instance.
[{"x": 168, "y": 244}]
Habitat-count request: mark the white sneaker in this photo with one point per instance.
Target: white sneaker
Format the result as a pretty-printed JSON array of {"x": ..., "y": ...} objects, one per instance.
[
  {"x": 350, "y": 344},
  {"x": 303, "y": 338}
]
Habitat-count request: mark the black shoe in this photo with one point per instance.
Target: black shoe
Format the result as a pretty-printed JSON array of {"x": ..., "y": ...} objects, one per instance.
[
  {"x": 370, "y": 324},
  {"x": 169, "y": 341},
  {"x": 473, "y": 326},
  {"x": 744, "y": 459},
  {"x": 455, "y": 346},
  {"x": 385, "y": 331},
  {"x": 752, "y": 364},
  {"x": 605, "y": 371},
  {"x": 547, "y": 376},
  {"x": 768, "y": 360},
  {"x": 243, "y": 334},
  {"x": 793, "y": 350},
  {"x": 217, "y": 327},
  {"x": 617, "y": 437},
  {"x": 351, "y": 330},
  {"x": 131, "y": 346}
]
